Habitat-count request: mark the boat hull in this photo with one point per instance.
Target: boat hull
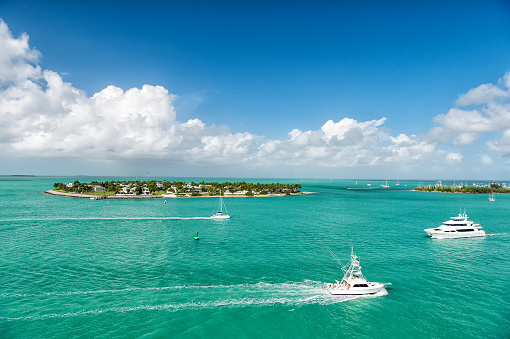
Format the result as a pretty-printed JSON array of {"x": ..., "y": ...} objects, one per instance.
[
  {"x": 377, "y": 287},
  {"x": 220, "y": 217},
  {"x": 454, "y": 235}
]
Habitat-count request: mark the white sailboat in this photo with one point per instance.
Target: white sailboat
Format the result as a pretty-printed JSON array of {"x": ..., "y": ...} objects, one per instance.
[
  {"x": 220, "y": 214},
  {"x": 491, "y": 197},
  {"x": 385, "y": 186}
]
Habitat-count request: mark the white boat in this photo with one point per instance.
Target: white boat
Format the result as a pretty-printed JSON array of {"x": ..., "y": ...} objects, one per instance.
[
  {"x": 491, "y": 197},
  {"x": 220, "y": 214},
  {"x": 354, "y": 282},
  {"x": 385, "y": 186},
  {"x": 456, "y": 227}
]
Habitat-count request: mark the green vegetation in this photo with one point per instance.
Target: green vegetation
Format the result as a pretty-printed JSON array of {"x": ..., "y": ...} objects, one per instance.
[
  {"x": 154, "y": 187},
  {"x": 494, "y": 188}
]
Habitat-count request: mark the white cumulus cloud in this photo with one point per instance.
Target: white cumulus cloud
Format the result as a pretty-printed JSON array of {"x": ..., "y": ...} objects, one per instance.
[
  {"x": 41, "y": 116},
  {"x": 490, "y": 115}
]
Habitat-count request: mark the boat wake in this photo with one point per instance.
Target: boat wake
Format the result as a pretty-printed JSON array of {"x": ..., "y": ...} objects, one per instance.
[
  {"x": 105, "y": 218},
  {"x": 202, "y": 297}
]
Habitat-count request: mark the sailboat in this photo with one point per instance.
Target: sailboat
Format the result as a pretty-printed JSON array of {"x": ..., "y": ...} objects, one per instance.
[
  {"x": 219, "y": 214},
  {"x": 491, "y": 197},
  {"x": 385, "y": 186}
]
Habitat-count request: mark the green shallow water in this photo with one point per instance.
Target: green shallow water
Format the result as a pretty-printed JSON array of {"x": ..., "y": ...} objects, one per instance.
[{"x": 130, "y": 268}]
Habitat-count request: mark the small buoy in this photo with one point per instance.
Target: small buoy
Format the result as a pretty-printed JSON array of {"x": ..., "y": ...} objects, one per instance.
[{"x": 196, "y": 237}]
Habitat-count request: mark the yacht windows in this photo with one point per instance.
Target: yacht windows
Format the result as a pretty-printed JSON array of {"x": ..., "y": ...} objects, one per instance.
[
  {"x": 360, "y": 285},
  {"x": 466, "y": 230}
]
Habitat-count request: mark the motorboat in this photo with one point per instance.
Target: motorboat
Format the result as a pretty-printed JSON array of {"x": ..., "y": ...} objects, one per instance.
[
  {"x": 220, "y": 215},
  {"x": 353, "y": 281},
  {"x": 457, "y": 227}
]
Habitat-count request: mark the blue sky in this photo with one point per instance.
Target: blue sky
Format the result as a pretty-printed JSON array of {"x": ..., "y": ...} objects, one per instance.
[{"x": 251, "y": 86}]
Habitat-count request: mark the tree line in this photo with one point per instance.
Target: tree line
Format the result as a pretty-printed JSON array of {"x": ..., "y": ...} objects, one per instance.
[
  {"x": 179, "y": 187},
  {"x": 492, "y": 188}
]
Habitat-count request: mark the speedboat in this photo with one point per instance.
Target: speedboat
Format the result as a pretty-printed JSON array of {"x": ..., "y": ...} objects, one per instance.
[
  {"x": 456, "y": 227},
  {"x": 220, "y": 214},
  {"x": 354, "y": 282}
]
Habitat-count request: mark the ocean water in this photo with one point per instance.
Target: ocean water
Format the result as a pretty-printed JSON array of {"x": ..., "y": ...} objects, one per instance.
[{"x": 130, "y": 268}]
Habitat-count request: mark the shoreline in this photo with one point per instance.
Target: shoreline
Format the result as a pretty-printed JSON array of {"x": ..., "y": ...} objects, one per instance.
[{"x": 166, "y": 196}]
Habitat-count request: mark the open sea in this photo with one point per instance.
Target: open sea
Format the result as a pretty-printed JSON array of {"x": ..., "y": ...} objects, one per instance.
[{"x": 81, "y": 268}]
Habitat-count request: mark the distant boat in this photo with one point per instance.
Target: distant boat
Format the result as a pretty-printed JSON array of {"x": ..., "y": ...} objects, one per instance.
[
  {"x": 219, "y": 214},
  {"x": 398, "y": 183},
  {"x": 491, "y": 197},
  {"x": 385, "y": 186}
]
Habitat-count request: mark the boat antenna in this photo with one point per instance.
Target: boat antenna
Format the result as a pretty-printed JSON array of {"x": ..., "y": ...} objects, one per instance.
[{"x": 333, "y": 255}]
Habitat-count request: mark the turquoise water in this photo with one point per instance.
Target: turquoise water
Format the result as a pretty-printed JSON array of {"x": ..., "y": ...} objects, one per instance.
[{"x": 130, "y": 268}]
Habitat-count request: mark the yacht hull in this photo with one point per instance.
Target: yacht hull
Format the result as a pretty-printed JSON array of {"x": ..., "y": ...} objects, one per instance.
[{"x": 454, "y": 235}]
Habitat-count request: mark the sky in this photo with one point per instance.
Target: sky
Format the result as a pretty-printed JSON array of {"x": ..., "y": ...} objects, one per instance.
[{"x": 269, "y": 89}]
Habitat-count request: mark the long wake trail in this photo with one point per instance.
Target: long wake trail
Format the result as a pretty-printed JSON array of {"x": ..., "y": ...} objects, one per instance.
[
  {"x": 105, "y": 218},
  {"x": 240, "y": 295}
]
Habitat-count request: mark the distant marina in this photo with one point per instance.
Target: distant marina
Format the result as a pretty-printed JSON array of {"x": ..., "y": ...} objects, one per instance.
[{"x": 481, "y": 188}]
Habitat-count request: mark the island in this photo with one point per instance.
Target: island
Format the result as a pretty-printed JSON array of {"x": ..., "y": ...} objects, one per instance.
[
  {"x": 480, "y": 189},
  {"x": 136, "y": 189}
]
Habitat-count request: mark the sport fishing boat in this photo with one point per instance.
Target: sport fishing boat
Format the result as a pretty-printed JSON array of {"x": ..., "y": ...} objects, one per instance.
[
  {"x": 456, "y": 227},
  {"x": 354, "y": 282},
  {"x": 220, "y": 214}
]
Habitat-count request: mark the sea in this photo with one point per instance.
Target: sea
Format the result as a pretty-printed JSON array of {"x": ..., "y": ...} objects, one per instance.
[{"x": 81, "y": 268}]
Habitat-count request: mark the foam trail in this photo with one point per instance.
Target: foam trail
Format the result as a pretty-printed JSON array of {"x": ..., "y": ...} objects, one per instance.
[
  {"x": 261, "y": 286},
  {"x": 223, "y": 303},
  {"x": 106, "y": 218},
  {"x": 304, "y": 292}
]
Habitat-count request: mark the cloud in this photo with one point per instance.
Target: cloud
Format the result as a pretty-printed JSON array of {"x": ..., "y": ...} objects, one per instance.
[
  {"x": 458, "y": 120},
  {"x": 482, "y": 94},
  {"x": 501, "y": 146},
  {"x": 486, "y": 160},
  {"x": 42, "y": 116},
  {"x": 465, "y": 139},
  {"x": 17, "y": 60},
  {"x": 491, "y": 115},
  {"x": 454, "y": 157}
]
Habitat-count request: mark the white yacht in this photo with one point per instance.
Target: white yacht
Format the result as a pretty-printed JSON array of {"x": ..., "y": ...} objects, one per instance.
[
  {"x": 220, "y": 214},
  {"x": 354, "y": 282},
  {"x": 457, "y": 227},
  {"x": 491, "y": 197}
]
